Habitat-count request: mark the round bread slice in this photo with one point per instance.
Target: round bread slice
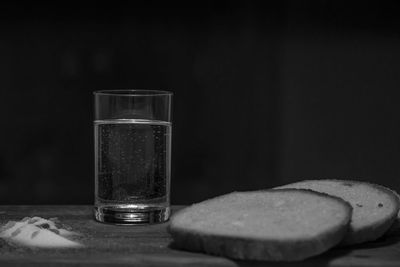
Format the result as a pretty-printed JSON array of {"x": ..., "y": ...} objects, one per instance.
[
  {"x": 375, "y": 207},
  {"x": 271, "y": 225}
]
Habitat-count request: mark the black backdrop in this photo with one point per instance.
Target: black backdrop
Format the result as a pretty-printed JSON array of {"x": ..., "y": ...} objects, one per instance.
[{"x": 263, "y": 95}]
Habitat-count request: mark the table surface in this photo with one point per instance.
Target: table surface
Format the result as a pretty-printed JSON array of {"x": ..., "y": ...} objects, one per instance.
[{"x": 151, "y": 245}]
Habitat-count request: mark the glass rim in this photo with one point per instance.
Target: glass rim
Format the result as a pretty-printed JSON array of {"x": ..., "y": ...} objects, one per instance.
[{"x": 133, "y": 92}]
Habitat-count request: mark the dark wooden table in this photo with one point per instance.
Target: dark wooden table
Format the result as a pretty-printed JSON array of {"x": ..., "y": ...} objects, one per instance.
[{"x": 110, "y": 245}]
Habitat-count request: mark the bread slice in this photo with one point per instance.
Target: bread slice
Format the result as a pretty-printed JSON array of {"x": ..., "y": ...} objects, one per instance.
[
  {"x": 273, "y": 225},
  {"x": 374, "y": 207}
]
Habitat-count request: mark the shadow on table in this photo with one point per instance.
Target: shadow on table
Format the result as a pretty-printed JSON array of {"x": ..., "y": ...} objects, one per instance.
[
  {"x": 320, "y": 260},
  {"x": 383, "y": 241},
  {"x": 349, "y": 254},
  {"x": 344, "y": 254}
]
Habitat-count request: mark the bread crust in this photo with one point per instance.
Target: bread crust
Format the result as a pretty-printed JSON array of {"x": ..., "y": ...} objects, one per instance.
[
  {"x": 258, "y": 248},
  {"x": 373, "y": 232}
]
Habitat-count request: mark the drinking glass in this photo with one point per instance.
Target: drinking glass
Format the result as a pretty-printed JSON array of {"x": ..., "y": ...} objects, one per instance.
[{"x": 132, "y": 143}]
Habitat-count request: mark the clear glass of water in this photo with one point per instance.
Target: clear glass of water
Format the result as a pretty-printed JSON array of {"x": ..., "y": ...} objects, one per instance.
[{"x": 132, "y": 140}]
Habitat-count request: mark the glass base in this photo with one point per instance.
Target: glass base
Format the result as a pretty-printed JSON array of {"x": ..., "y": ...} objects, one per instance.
[{"x": 130, "y": 216}]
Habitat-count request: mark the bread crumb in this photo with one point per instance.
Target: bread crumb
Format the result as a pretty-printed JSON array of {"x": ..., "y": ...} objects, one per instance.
[
  {"x": 347, "y": 184},
  {"x": 44, "y": 226},
  {"x": 38, "y": 232},
  {"x": 16, "y": 232},
  {"x": 34, "y": 234}
]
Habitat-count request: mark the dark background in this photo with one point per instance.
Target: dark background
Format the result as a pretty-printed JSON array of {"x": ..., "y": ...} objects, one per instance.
[{"x": 263, "y": 95}]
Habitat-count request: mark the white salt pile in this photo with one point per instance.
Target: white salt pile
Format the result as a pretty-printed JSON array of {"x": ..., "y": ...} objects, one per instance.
[{"x": 39, "y": 232}]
